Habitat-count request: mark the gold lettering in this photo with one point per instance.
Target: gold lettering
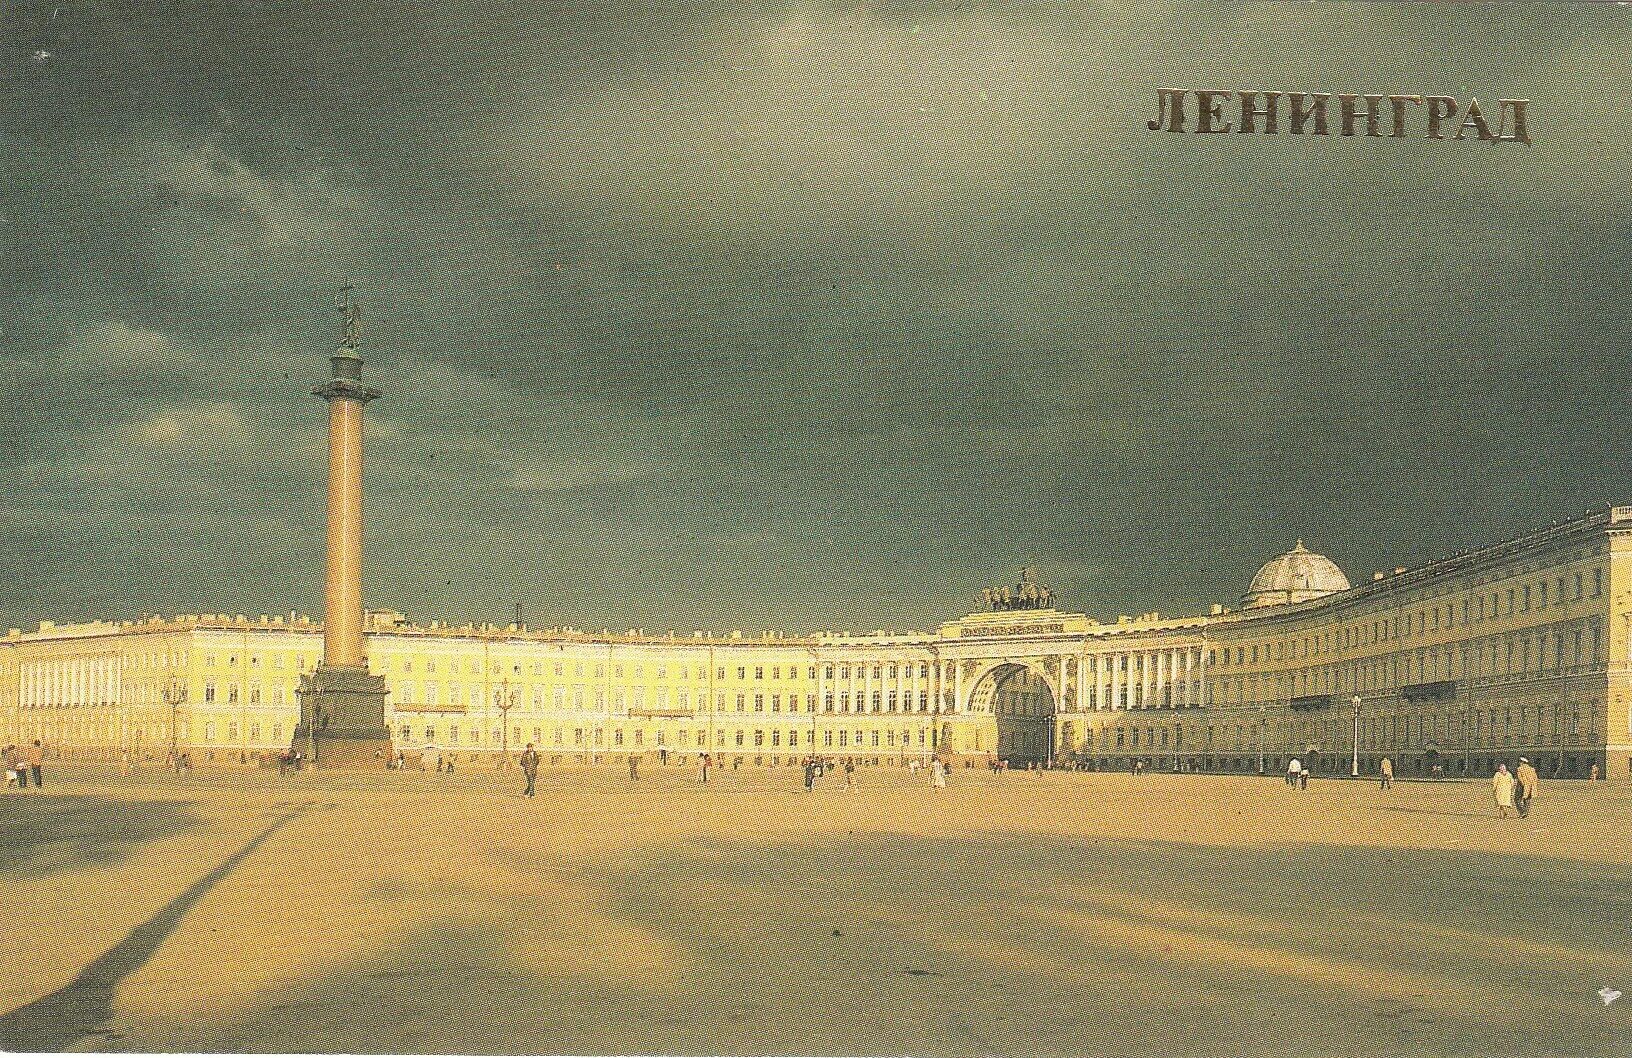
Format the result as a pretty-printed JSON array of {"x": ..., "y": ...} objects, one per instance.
[
  {"x": 1211, "y": 110},
  {"x": 1250, "y": 112},
  {"x": 1300, "y": 117},
  {"x": 1169, "y": 106},
  {"x": 1439, "y": 109}
]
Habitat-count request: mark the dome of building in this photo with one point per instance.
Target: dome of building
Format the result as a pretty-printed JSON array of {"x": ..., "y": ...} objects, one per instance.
[{"x": 1297, "y": 576}]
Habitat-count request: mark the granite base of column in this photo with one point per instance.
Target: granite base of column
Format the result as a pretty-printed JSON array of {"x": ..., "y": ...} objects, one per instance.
[{"x": 342, "y": 719}]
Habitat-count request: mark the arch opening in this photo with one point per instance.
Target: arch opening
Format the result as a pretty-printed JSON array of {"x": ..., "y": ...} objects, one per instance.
[{"x": 1021, "y": 703}]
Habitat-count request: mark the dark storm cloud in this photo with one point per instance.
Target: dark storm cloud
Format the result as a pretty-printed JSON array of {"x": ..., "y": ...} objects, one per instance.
[{"x": 801, "y": 315}]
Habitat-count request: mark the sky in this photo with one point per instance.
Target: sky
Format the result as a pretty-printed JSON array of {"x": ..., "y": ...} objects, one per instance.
[{"x": 791, "y": 315}]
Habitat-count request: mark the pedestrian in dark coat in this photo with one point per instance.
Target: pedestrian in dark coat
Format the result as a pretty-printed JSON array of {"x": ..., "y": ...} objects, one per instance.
[{"x": 529, "y": 768}]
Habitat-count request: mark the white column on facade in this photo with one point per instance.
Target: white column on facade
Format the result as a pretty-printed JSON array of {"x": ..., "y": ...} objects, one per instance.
[
  {"x": 1119, "y": 679},
  {"x": 957, "y": 686},
  {"x": 1082, "y": 683}
]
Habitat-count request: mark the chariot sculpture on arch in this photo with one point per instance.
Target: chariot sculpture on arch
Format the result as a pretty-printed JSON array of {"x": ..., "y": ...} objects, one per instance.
[{"x": 1028, "y": 594}]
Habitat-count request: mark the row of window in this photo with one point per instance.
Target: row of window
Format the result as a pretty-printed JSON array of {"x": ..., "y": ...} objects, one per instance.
[
  {"x": 1483, "y": 607},
  {"x": 1558, "y": 725},
  {"x": 683, "y": 737},
  {"x": 1513, "y": 654}
]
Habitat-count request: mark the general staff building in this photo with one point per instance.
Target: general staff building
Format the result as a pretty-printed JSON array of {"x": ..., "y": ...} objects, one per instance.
[{"x": 1521, "y": 647}]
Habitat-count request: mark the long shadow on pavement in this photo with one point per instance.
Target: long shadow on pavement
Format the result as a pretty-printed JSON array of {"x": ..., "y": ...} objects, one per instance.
[
  {"x": 970, "y": 945},
  {"x": 50, "y": 832},
  {"x": 67, "y": 1016}
]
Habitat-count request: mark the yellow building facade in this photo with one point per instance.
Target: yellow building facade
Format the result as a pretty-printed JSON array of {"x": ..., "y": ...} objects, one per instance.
[{"x": 1517, "y": 648}]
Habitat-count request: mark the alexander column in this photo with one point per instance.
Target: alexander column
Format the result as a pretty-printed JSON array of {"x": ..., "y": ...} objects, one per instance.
[{"x": 342, "y": 704}]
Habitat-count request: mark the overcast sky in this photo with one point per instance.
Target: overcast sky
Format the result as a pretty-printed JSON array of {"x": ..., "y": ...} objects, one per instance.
[{"x": 791, "y": 315}]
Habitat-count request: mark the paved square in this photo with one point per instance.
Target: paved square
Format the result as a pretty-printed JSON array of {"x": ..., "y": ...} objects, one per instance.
[{"x": 1014, "y": 914}]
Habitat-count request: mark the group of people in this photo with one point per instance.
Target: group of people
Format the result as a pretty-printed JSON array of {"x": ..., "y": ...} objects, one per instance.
[
  {"x": 24, "y": 764},
  {"x": 1296, "y": 774},
  {"x": 1515, "y": 789}
]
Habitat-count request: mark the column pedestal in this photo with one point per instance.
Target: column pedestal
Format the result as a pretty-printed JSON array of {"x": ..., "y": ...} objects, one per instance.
[{"x": 342, "y": 718}]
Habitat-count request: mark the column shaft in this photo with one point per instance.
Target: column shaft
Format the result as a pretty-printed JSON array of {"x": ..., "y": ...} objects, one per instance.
[{"x": 343, "y": 582}]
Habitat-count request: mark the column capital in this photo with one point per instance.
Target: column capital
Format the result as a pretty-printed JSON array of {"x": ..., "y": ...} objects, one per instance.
[{"x": 345, "y": 389}]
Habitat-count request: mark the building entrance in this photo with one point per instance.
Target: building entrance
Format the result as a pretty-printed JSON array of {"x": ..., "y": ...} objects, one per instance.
[{"x": 1023, "y": 706}]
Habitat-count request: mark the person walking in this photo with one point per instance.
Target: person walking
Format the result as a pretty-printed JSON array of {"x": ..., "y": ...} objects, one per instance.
[
  {"x": 1388, "y": 774},
  {"x": 36, "y": 760},
  {"x": 706, "y": 761},
  {"x": 15, "y": 774},
  {"x": 849, "y": 775},
  {"x": 1303, "y": 778},
  {"x": 529, "y": 768},
  {"x": 939, "y": 774},
  {"x": 1527, "y": 782},
  {"x": 810, "y": 775},
  {"x": 634, "y": 768},
  {"x": 1294, "y": 768},
  {"x": 1501, "y": 784}
]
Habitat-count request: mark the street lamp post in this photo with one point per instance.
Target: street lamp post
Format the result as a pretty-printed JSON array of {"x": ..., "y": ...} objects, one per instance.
[
  {"x": 507, "y": 701},
  {"x": 1354, "y": 765},
  {"x": 175, "y": 693},
  {"x": 1261, "y": 733}
]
